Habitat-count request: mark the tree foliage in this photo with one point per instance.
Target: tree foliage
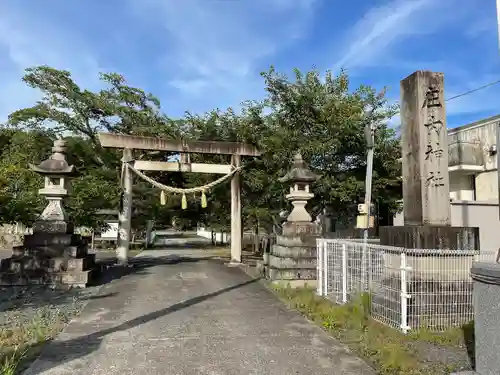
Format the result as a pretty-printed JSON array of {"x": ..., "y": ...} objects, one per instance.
[
  {"x": 19, "y": 199},
  {"x": 318, "y": 115},
  {"x": 325, "y": 121}
]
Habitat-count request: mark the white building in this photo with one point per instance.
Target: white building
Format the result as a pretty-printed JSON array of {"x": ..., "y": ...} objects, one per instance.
[{"x": 472, "y": 166}]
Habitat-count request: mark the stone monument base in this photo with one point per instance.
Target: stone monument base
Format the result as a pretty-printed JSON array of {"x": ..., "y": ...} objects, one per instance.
[
  {"x": 55, "y": 259},
  {"x": 292, "y": 260},
  {"x": 440, "y": 280},
  {"x": 430, "y": 237}
]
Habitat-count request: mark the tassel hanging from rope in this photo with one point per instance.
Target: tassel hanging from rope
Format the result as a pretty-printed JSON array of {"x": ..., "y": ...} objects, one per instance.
[
  {"x": 203, "y": 199},
  {"x": 176, "y": 190}
]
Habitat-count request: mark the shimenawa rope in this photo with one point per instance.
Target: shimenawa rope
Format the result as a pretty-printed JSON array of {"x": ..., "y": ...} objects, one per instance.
[{"x": 199, "y": 189}]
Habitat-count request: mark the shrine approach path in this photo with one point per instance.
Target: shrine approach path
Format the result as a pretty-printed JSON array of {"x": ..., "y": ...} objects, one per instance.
[{"x": 176, "y": 315}]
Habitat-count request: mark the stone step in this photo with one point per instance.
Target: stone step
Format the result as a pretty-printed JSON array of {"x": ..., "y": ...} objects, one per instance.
[
  {"x": 22, "y": 264},
  {"x": 51, "y": 239},
  {"x": 296, "y": 241},
  {"x": 56, "y": 279},
  {"x": 75, "y": 251},
  {"x": 293, "y": 252},
  {"x": 303, "y": 229},
  {"x": 292, "y": 263},
  {"x": 291, "y": 274}
]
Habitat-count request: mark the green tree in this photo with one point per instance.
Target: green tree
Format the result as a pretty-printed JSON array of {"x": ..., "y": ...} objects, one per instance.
[
  {"x": 118, "y": 108},
  {"x": 19, "y": 200},
  {"x": 320, "y": 116},
  {"x": 323, "y": 119}
]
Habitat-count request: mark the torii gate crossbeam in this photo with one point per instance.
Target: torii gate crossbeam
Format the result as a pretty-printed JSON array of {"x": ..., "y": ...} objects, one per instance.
[{"x": 129, "y": 143}]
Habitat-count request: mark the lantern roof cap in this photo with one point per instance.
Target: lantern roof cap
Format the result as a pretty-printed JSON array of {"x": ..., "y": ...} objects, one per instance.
[
  {"x": 56, "y": 164},
  {"x": 300, "y": 171}
]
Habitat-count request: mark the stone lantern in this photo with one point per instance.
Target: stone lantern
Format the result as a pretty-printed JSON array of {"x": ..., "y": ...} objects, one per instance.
[
  {"x": 53, "y": 255},
  {"x": 300, "y": 178},
  {"x": 56, "y": 173},
  {"x": 292, "y": 259}
]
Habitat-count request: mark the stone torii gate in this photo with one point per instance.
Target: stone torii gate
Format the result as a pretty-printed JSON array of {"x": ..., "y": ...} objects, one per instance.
[{"x": 129, "y": 143}]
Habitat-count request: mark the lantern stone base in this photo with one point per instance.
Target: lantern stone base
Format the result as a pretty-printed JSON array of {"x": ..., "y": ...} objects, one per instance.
[
  {"x": 60, "y": 260},
  {"x": 292, "y": 260}
]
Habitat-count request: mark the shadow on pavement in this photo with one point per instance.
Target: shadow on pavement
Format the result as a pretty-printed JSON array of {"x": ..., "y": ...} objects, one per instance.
[
  {"x": 187, "y": 245},
  {"x": 109, "y": 271},
  {"x": 58, "y": 352},
  {"x": 39, "y": 296}
]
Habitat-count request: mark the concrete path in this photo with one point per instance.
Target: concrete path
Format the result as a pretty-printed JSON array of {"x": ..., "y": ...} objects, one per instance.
[{"x": 198, "y": 316}]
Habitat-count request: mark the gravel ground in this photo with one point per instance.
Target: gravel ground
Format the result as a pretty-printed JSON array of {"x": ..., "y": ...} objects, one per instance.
[
  {"x": 20, "y": 305},
  {"x": 32, "y": 315}
]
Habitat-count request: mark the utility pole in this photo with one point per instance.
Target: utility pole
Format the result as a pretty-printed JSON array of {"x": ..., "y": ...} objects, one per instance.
[{"x": 370, "y": 142}]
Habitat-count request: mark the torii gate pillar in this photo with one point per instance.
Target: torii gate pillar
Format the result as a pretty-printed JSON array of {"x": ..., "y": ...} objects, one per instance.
[
  {"x": 235, "y": 212},
  {"x": 125, "y": 215}
]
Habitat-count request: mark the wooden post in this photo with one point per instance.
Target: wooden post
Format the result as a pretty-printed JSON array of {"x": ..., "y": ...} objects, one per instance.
[
  {"x": 125, "y": 216},
  {"x": 235, "y": 212}
]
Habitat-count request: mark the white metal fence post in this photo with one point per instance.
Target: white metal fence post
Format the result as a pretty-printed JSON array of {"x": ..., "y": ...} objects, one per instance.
[
  {"x": 344, "y": 273},
  {"x": 319, "y": 268},
  {"x": 404, "y": 294},
  {"x": 325, "y": 268},
  {"x": 370, "y": 268}
]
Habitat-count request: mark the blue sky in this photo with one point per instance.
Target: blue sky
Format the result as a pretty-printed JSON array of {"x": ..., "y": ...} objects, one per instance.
[{"x": 198, "y": 55}]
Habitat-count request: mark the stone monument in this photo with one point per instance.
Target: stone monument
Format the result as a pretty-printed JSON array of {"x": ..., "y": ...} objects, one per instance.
[
  {"x": 53, "y": 254},
  {"x": 293, "y": 258},
  {"x": 426, "y": 207},
  {"x": 426, "y": 197}
]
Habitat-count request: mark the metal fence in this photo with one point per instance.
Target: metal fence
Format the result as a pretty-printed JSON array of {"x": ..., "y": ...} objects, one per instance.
[{"x": 408, "y": 288}]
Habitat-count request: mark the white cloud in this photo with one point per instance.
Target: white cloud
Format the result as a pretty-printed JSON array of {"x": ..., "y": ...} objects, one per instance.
[
  {"x": 402, "y": 36},
  {"x": 374, "y": 40},
  {"x": 28, "y": 41},
  {"x": 217, "y": 44},
  {"x": 381, "y": 27}
]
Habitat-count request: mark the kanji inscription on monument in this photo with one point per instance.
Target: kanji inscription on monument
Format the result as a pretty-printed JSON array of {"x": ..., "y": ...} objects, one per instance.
[{"x": 425, "y": 150}]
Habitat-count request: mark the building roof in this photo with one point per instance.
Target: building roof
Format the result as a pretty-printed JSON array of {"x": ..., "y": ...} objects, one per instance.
[{"x": 474, "y": 124}]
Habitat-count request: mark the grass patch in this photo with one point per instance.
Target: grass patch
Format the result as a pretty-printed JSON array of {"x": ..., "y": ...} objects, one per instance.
[
  {"x": 459, "y": 337},
  {"x": 390, "y": 351},
  {"x": 20, "y": 343}
]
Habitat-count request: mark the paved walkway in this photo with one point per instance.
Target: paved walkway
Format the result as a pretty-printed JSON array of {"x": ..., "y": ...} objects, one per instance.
[{"x": 175, "y": 317}]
